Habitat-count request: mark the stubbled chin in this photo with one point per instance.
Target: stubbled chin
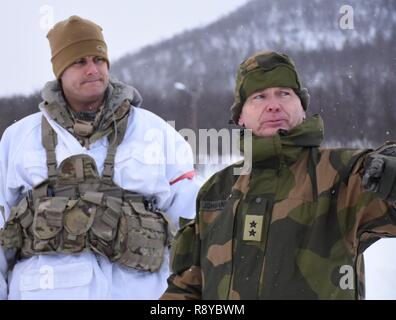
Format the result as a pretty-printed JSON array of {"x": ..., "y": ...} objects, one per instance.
[
  {"x": 93, "y": 87},
  {"x": 92, "y": 94}
]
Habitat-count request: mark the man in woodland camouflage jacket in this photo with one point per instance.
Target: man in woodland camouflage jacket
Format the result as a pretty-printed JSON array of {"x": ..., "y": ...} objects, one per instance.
[{"x": 296, "y": 226}]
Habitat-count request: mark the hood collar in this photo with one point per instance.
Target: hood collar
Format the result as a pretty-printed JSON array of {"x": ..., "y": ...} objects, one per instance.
[
  {"x": 286, "y": 146},
  {"x": 116, "y": 93}
]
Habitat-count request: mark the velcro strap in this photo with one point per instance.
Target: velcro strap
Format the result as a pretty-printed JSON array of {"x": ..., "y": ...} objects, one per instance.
[
  {"x": 79, "y": 167},
  {"x": 138, "y": 206},
  {"x": 68, "y": 191},
  {"x": 107, "y": 173},
  {"x": 114, "y": 204},
  {"x": 48, "y": 139},
  {"x": 152, "y": 224},
  {"x": 137, "y": 241},
  {"x": 93, "y": 197},
  {"x": 133, "y": 197},
  {"x": 52, "y": 172},
  {"x": 114, "y": 138},
  {"x": 110, "y": 156},
  {"x": 54, "y": 212},
  {"x": 26, "y": 219},
  {"x": 11, "y": 236},
  {"x": 51, "y": 158},
  {"x": 21, "y": 207},
  {"x": 40, "y": 191},
  {"x": 111, "y": 218},
  {"x": 146, "y": 260},
  {"x": 54, "y": 218}
]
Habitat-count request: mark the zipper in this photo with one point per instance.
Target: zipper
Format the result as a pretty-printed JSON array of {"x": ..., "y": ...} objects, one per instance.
[
  {"x": 233, "y": 243},
  {"x": 260, "y": 287},
  {"x": 268, "y": 214}
]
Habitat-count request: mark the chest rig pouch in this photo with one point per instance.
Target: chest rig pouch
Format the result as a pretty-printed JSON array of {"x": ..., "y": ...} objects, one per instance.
[{"x": 76, "y": 210}]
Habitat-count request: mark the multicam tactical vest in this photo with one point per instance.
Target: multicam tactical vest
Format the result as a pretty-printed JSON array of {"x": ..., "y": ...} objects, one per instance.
[{"x": 76, "y": 210}]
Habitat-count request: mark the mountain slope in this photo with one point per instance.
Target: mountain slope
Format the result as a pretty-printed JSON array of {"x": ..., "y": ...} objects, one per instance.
[
  {"x": 350, "y": 73},
  {"x": 356, "y": 65}
]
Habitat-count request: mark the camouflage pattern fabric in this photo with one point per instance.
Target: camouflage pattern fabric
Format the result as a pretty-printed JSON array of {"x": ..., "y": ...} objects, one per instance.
[
  {"x": 295, "y": 228},
  {"x": 76, "y": 210},
  {"x": 117, "y": 94}
]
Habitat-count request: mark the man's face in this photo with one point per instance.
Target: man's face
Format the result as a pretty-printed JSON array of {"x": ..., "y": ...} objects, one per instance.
[
  {"x": 86, "y": 80},
  {"x": 271, "y": 109}
]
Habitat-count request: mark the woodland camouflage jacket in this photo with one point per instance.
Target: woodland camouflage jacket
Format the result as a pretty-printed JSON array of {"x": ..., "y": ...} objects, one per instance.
[{"x": 294, "y": 228}]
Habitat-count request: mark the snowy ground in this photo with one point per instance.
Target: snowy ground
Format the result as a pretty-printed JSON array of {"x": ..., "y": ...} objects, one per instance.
[{"x": 380, "y": 258}]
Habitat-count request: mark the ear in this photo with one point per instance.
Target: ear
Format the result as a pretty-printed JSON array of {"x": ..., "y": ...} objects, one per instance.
[{"x": 241, "y": 121}]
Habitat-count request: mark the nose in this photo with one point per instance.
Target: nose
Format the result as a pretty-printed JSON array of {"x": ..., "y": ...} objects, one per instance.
[
  {"x": 91, "y": 68},
  {"x": 273, "y": 108},
  {"x": 272, "y": 104}
]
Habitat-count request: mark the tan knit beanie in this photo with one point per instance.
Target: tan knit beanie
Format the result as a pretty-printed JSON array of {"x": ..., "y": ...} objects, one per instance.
[{"x": 73, "y": 39}]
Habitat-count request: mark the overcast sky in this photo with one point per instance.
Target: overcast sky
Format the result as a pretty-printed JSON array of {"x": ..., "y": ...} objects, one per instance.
[{"x": 25, "y": 55}]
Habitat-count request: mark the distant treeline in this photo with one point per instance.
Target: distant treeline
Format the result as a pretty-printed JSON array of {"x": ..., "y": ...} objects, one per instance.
[{"x": 352, "y": 87}]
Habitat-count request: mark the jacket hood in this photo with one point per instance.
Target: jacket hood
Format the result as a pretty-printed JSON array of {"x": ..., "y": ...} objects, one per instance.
[{"x": 116, "y": 93}]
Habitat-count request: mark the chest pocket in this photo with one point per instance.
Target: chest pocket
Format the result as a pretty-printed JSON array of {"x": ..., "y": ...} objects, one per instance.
[
  {"x": 217, "y": 219},
  {"x": 256, "y": 205},
  {"x": 210, "y": 212}
]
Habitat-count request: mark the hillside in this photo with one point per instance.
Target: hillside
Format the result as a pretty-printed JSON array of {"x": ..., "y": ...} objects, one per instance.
[{"x": 350, "y": 73}]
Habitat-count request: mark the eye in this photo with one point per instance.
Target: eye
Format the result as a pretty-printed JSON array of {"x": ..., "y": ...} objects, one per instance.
[
  {"x": 80, "y": 61},
  {"x": 99, "y": 60},
  {"x": 258, "y": 97},
  {"x": 284, "y": 93}
]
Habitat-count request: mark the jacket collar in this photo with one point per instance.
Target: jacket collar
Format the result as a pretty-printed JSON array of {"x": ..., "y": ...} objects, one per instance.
[
  {"x": 117, "y": 93},
  {"x": 286, "y": 146}
]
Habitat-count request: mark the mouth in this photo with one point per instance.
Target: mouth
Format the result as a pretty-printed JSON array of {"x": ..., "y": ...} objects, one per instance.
[
  {"x": 92, "y": 81},
  {"x": 274, "y": 122}
]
